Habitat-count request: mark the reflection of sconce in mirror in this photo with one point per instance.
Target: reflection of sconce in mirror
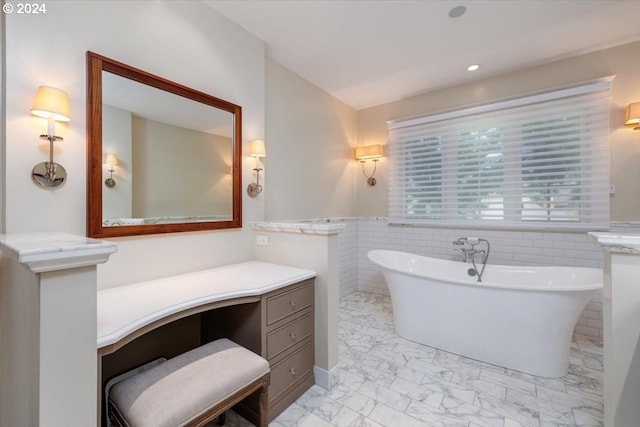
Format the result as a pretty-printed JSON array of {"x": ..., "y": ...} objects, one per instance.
[
  {"x": 632, "y": 115},
  {"x": 52, "y": 104},
  {"x": 256, "y": 149},
  {"x": 373, "y": 153},
  {"x": 112, "y": 160}
]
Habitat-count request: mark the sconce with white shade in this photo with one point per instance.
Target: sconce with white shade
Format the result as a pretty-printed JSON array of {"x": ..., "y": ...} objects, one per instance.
[
  {"x": 52, "y": 104},
  {"x": 257, "y": 150},
  {"x": 373, "y": 153},
  {"x": 111, "y": 161},
  {"x": 632, "y": 115}
]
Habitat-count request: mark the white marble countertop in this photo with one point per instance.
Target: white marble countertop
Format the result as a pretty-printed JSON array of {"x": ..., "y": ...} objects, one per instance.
[
  {"x": 123, "y": 310},
  {"x": 300, "y": 227},
  {"x": 618, "y": 242},
  {"x": 51, "y": 251}
]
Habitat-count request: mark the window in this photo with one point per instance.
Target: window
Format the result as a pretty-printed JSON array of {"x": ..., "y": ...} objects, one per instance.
[{"x": 536, "y": 162}]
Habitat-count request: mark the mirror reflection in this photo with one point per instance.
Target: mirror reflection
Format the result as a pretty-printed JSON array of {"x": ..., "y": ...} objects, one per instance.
[
  {"x": 162, "y": 157},
  {"x": 174, "y": 156}
]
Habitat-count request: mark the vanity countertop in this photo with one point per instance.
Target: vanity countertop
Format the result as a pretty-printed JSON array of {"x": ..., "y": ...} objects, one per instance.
[{"x": 125, "y": 309}]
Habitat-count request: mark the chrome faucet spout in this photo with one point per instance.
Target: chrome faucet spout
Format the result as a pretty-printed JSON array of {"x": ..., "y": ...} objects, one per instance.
[
  {"x": 461, "y": 242},
  {"x": 469, "y": 252}
]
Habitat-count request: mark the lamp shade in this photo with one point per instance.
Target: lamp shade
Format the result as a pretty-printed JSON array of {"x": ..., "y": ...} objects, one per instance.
[
  {"x": 369, "y": 152},
  {"x": 256, "y": 148},
  {"x": 112, "y": 159},
  {"x": 51, "y": 103},
  {"x": 632, "y": 114}
]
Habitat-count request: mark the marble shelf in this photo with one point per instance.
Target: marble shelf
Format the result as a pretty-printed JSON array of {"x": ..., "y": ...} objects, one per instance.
[
  {"x": 300, "y": 227},
  {"x": 52, "y": 251},
  {"x": 617, "y": 242}
]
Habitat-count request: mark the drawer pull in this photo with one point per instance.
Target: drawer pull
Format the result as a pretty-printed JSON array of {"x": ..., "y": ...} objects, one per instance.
[
  {"x": 292, "y": 303},
  {"x": 292, "y": 371},
  {"x": 292, "y": 335}
]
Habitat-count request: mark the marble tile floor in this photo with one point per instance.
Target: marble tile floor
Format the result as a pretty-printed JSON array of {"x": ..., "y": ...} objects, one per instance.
[{"x": 388, "y": 381}]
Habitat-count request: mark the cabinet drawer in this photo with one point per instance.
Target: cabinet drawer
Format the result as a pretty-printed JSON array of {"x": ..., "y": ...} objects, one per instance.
[
  {"x": 289, "y": 335},
  {"x": 282, "y": 305},
  {"x": 287, "y": 372}
]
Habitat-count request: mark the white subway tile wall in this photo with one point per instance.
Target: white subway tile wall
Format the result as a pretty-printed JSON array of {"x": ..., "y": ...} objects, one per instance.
[
  {"x": 348, "y": 257},
  {"x": 507, "y": 247}
]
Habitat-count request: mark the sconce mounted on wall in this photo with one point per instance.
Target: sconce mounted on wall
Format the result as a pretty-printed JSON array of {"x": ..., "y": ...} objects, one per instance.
[
  {"x": 632, "y": 115},
  {"x": 52, "y": 104},
  {"x": 256, "y": 149},
  {"x": 112, "y": 160},
  {"x": 373, "y": 153}
]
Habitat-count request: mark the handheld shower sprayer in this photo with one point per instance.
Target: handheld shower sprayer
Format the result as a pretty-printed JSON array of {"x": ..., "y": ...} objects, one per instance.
[{"x": 470, "y": 253}]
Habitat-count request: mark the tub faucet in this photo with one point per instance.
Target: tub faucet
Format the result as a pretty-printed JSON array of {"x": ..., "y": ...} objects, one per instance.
[
  {"x": 461, "y": 242},
  {"x": 469, "y": 253}
]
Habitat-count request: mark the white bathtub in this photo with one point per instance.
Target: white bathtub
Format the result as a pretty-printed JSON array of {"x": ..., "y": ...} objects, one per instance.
[{"x": 520, "y": 318}]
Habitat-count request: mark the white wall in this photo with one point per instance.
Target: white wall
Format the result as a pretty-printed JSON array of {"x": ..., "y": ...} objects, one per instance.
[
  {"x": 187, "y": 42},
  {"x": 309, "y": 168},
  {"x": 320, "y": 254},
  {"x": 622, "y": 337},
  {"x": 179, "y": 171}
]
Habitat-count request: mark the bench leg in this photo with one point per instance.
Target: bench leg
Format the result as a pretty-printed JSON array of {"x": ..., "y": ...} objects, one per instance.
[{"x": 264, "y": 404}]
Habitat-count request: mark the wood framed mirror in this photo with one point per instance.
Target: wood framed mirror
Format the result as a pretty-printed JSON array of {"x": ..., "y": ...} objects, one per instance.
[{"x": 161, "y": 157}]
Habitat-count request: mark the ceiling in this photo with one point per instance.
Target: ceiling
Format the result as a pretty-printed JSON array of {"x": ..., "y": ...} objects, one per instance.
[{"x": 369, "y": 52}]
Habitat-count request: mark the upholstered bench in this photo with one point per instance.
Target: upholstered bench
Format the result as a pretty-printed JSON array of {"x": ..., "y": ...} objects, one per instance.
[{"x": 191, "y": 389}]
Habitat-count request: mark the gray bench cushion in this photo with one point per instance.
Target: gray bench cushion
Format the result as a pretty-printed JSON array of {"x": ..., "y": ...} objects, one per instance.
[{"x": 180, "y": 389}]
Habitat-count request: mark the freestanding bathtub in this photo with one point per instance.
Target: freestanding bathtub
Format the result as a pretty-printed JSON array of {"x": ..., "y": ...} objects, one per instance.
[{"x": 520, "y": 318}]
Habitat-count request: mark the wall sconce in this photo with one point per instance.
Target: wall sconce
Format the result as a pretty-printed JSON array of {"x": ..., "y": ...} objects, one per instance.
[
  {"x": 112, "y": 160},
  {"x": 52, "y": 104},
  {"x": 632, "y": 115},
  {"x": 373, "y": 153},
  {"x": 256, "y": 149}
]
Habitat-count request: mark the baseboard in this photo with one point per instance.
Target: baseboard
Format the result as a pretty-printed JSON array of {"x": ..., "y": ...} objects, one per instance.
[{"x": 326, "y": 379}]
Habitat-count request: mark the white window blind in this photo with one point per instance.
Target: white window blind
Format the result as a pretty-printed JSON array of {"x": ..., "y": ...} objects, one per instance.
[{"x": 535, "y": 162}]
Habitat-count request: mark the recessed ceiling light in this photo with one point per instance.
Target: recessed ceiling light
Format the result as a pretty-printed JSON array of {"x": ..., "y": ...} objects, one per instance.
[
  {"x": 473, "y": 67},
  {"x": 457, "y": 11}
]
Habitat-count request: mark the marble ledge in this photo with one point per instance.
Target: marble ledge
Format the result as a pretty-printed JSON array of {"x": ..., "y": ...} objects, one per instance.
[
  {"x": 42, "y": 252},
  {"x": 302, "y": 227},
  {"x": 617, "y": 242}
]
